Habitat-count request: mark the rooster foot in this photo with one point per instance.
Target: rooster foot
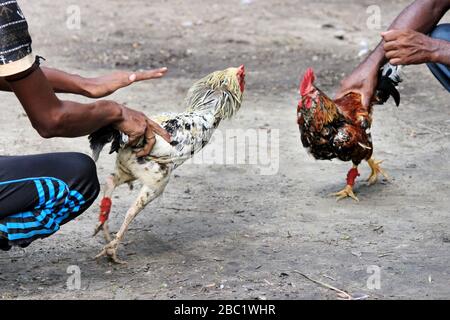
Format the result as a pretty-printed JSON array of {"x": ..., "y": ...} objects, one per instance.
[
  {"x": 376, "y": 170},
  {"x": 110, "y": 251},
  {"x": 345, "y": 193}
]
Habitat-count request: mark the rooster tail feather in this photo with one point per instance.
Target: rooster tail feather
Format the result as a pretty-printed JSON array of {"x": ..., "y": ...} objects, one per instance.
[
  {"x": 389, "y": 78},
  {"x": 102, "y": 137}
]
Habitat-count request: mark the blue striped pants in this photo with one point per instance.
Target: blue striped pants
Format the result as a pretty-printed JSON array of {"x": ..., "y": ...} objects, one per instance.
[{"x": 40, "y": 193}]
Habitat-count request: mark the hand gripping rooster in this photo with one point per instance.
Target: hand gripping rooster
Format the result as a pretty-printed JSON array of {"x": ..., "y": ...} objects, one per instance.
[
  {"x": 217, "y": 96},
  {"x": 341, "y": 128}
]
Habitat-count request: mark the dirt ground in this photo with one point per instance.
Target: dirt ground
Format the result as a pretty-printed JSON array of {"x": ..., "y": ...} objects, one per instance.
[{"x": 224, "y": 231}]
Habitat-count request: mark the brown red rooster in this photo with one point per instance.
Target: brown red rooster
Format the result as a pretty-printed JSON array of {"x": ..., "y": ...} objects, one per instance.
[{"x": 341, "y": 128}]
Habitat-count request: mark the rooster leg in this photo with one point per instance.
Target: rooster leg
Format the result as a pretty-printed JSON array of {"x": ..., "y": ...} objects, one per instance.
[
  {"x": 376, "y": 170},
  {"x": 348, "y": 190},
  {"x": 106, "y": 233},
  {"x": 146, "y": 195},
  {"x": 111, "y": 183},
  {"x": 105, "y": 207}
]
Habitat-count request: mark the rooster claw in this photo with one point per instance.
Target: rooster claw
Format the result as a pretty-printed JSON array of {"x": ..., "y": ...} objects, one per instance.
[
  {"x": 110, "y": 251},
  {"x": 347, "y": 192},
  {"x": 376, "y": 170}
]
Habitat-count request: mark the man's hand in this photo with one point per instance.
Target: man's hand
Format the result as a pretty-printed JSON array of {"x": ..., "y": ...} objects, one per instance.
[
  {"x": 404, "y": 47},
  {"x": 103, "y": 86},
  {"x": 136, "y": 125},
  {"x": 362, "y": 80}
]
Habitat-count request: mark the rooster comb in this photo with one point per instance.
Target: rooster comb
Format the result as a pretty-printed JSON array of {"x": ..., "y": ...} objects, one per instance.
[{"x": 307, "y": 82}]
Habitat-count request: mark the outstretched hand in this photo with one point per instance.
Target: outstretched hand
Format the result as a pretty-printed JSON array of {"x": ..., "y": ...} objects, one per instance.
[{"x": 105, "y": 85}]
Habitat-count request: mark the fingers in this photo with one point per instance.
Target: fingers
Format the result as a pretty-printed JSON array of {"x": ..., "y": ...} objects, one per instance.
[
  {"x": 151, "y": 128},
  {"x": 150, "y": 141},
  {"x": 341, "y": 93},
  {"x": 391, "y": 54},
  {"x": 160, "y": 131},
  {"x": 391, "y": 45},
  {"x": 132, "y": 77},
  {"x": 147, "y": 75},
  {"x": 391, "y": 35},
  {"x": 365, "y": 98},
  {"x": 397, "y": 62},
  {"x": 393, "y": 42},
  {"x": 138, "y": 127},
  {"x": 124, "y": 79},
  {"x": 397, "y": 57},
  {"x": 133, "y": 140}
]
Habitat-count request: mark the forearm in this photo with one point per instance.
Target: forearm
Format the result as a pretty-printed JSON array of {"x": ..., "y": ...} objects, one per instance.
[
  {"x": 421, "y": 16},
  {"x": 60, "y": 81},
  {"x": 72, "y": 119},
  {"x": 52, "y": 117},
  {"x": 63, "y": 82}
]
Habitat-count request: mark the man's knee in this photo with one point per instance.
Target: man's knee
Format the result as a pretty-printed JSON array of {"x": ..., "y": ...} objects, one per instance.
[
  {"x": 83, "y": 164},
  {"x": 441, "y": 32},
  {"x": 86, "y": 172}
]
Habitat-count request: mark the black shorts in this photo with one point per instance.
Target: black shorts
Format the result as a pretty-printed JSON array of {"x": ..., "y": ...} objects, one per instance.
[{"x": 39, "y": 193}]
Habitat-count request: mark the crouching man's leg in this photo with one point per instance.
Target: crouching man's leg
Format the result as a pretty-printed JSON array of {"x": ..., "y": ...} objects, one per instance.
[
  {"x": 40, "y": 193},
  {"x": 441, "y": 71}
]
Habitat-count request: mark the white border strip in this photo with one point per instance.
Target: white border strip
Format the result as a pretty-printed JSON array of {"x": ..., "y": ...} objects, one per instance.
[
  {"x": 15, "y": 49},
  {"x": 12, "y": 23},
  {"x": 7, "y": 2}
]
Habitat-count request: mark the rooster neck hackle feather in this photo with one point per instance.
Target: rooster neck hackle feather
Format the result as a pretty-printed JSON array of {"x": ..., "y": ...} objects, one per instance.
[
  {"x": 321, "y": 104},
  {"x": 328, "y": 108},
  {"x": 225, "y": 82}
]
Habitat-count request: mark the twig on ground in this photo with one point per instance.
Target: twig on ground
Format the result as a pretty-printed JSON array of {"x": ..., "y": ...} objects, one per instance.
[
  {"x": 340, "y": 292},
  {"x": 187, "y": 209},
  {"x": 385, "y": 254},
  {"x": 433, "y": 130},
  {"x": 328, "y": 277}
]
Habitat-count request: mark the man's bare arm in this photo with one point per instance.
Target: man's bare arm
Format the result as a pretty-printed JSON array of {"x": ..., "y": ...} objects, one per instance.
[
  {"x": 52, "y": 117},
  {"x": 406, "y": 47},
  {"x": 421, "y": 16},
  {"x": 97, "y": 87}
]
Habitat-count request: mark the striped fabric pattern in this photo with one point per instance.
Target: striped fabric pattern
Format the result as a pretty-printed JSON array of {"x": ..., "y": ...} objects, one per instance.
[{"x": 57, "y": 205}]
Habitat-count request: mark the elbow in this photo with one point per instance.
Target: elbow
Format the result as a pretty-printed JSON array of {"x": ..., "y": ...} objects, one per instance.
[
  {"x": 46, "y": 133},
  {"x": 51, "y": 127}
]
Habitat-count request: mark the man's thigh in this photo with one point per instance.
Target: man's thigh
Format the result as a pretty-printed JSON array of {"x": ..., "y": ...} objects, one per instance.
[{"x": 27, "y": 181}]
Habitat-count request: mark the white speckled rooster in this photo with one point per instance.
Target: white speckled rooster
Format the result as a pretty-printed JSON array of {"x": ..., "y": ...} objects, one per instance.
[{"x": 217, "y": 96}]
